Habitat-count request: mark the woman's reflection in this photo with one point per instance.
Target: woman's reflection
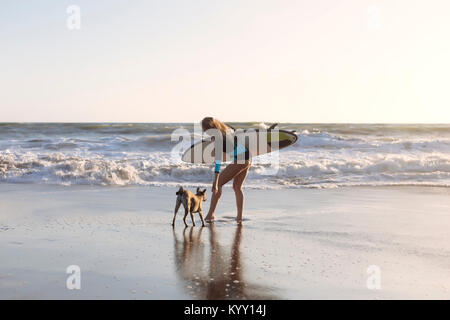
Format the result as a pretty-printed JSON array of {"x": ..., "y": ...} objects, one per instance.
[{"x": 219, "y": 275}]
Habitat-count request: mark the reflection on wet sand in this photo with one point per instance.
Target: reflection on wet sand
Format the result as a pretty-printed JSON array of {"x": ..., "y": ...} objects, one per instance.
[{"x": 217, "y": 275}]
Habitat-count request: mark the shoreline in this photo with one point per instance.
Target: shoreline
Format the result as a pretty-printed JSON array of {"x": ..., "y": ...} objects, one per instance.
[{"x": 294, "y": 244}]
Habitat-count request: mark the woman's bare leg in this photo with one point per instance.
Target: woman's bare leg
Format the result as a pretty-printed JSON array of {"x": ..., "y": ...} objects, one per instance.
[
  {"x": 213, "y": 204},
  {"x": 237, "y": 186},
  {"x": 232, "y": 170},
  {"x": 214, "y": 200}
]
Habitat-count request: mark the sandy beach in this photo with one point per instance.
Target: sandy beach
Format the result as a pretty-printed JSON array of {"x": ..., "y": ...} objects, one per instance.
[
  {"x": 333, "y": 117},
  {"x": 294, "y": 244}
]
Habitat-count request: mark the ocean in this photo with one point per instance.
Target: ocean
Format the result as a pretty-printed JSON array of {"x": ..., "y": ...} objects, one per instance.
[{"x": 325, "y": 156}]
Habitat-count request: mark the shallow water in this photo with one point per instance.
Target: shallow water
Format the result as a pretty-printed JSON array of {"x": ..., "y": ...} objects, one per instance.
[{"x": 294, "y": 244}]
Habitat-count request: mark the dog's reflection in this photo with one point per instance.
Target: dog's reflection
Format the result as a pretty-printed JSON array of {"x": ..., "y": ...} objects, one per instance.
[{"x": 213, "y": 271}]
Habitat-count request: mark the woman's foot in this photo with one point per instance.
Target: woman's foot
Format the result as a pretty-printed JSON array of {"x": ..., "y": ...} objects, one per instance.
[{"x": 209, "y": 219}]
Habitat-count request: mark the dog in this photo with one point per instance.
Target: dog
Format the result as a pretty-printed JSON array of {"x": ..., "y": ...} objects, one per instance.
[{"x": 192, "y": 203}]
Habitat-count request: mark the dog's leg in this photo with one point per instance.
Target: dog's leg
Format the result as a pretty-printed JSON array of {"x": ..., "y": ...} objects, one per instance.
[
  {"x": 186, "y": 211},
  {"x": 177, "y": 206},
  {"x": 201, "y": 217},
  {"x": 184, "y": 219},
  {"x": 192, "y": 218}
]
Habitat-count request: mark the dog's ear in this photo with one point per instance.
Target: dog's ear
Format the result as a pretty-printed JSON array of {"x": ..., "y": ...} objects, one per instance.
[
  {"x": 204, "y": 191},
  {"x": 198, "y": 190}
]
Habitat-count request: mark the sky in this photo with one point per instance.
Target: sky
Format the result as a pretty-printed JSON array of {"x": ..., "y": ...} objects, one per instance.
[{"x": 248, "y": 60}]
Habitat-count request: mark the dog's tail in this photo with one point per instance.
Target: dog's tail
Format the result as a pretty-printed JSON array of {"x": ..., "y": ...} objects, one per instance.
[{"x": 180, "y": 191}]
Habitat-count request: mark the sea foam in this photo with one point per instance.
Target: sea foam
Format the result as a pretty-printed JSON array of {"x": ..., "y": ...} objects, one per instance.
[{"x": 325, "y": 156}]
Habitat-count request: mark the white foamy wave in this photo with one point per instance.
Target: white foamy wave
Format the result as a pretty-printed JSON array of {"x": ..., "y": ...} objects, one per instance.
[
  {"x": 325, "y": 156},
  {"x": 295, "y": 170},
  {"x": 58, "y": 168}
]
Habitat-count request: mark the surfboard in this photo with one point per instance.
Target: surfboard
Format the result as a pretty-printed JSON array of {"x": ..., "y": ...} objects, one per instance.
[{"x": 203, "y": 151}]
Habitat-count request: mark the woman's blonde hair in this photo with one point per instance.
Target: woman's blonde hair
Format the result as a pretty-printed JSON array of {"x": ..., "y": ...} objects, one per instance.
[{"x": 211, "y": 123}]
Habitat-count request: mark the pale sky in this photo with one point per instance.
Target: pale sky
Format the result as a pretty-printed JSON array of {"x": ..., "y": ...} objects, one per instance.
[{"x": 246, "y": 60}]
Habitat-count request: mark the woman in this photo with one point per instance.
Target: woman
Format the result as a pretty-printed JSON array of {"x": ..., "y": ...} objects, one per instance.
[{"x": 237, "y": 170}]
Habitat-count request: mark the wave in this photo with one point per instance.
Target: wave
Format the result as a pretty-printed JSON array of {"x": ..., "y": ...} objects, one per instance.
[
  {"x": 294, "y": 170},
  {"x": 316, "y": 141},
  {"x": 325, "y": 156}
]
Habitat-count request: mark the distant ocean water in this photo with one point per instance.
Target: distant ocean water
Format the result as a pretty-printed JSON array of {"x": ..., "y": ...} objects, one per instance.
[{"x": 326, "y": 155}]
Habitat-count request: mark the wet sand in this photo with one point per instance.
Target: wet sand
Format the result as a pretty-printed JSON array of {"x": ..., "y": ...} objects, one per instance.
[{"x": 294, "y": 244}]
